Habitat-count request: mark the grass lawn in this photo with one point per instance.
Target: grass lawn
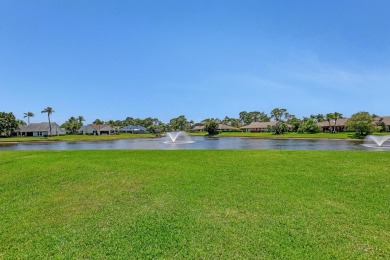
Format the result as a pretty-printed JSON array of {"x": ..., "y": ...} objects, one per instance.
[
  {"x": 195, "y": 204},
  {"x": 76, "y": 138}
]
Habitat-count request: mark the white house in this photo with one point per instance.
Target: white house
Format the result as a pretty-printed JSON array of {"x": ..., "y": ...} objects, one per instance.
[
  {"x": 259, "y": 126},
  {"x": 41, "y": 129},
  {"x": 93, "y": 129}
]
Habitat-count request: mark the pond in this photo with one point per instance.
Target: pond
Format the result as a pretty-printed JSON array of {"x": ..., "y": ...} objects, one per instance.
[{"x": 200, "y": 143}]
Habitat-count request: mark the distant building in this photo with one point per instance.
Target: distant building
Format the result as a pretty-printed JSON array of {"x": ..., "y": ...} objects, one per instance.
[
  {"x": 221, "y": 127},
  {"x": 258, "y": 126},
  {"x": 93, "y": 129},
  {"x": 340, "y": 125},
  {"x": 134, "y": 129},
  {"x": 227, "y": 128},
  {"x": 197, "y": 128},
  {"x": 41, "y": 129},
  {"x": 385, "y": 120}
]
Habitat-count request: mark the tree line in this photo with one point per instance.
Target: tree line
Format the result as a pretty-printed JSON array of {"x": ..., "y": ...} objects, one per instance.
[{"x": 361, "y": 122}]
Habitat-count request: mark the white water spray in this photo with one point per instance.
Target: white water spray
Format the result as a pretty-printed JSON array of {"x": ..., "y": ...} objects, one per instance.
[
  {"x": 178, "y": 138},
  {"x": 377, "y": 141}
]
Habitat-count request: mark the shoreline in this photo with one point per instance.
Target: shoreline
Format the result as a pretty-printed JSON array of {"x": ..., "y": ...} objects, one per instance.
[{"x": 2, "y": 142}]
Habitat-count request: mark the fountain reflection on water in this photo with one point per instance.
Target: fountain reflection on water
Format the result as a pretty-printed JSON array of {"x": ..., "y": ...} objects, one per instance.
[
  {"x": 376, "y": 141},
  {"x": 178, "y": 138}
]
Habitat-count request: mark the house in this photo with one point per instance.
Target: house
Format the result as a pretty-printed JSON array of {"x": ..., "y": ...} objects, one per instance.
[
  {"x": 385, "y": 120},
  {"x": 197, "y": 128},
  {"x": 227, "y": 128},
  {"x": 340, "y": 125},
  {"x": 134, "y": 129},
  {"x": 259, "y": 126},
  {"x": 93, "y": 129},
  {"x": 221, "y": 127},
  {"x": 41, "y": 129}
]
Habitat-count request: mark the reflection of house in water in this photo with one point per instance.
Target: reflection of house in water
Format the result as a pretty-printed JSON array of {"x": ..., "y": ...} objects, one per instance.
[
  {"x": 94, "y": 129},
  {"x": 40, "y": 129}
]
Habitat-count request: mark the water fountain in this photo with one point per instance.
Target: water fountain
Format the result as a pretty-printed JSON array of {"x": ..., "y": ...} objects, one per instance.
[
  {"x": 178, "y": 138},
  {"x": 377, "y": 141}
]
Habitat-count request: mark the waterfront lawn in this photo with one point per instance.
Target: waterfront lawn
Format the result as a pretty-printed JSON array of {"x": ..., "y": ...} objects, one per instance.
[
  {"x": 75, "y": 138},
  {"x": 194, "y": 204}
]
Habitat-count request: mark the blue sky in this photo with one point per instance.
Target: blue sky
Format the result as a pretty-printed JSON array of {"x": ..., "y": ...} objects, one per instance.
[{"x": 113, "y": 59}]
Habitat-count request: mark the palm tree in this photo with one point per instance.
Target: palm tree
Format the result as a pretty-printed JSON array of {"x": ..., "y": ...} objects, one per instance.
[
  {"x": 336, "y": 116},
  {"x": 28, "y": 115},
  {"x": 81, "y": 119},
  {"x": 328, "y": 118},
  {"x": 49, "y": 111}
]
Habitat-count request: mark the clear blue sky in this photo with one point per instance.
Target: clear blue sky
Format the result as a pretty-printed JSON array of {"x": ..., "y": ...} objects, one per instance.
[{"x": 113, "y": 59}]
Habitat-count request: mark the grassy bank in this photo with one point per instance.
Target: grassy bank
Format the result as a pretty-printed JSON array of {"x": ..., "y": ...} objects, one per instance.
[
  {"x": 194, "y": 204},
  {"x": 75, "y": 138}
]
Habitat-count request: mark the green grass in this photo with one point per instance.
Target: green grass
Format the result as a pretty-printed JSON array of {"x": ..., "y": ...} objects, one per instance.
[
  {"x": 194, "y": 204},
  {"x": 76, "y": 138}
]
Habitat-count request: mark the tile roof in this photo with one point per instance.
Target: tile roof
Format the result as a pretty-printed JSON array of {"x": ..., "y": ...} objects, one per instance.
[
  {"x": 38, "y": 127},
  {"x": 339, "y": 122},
  {"x": 259, "y": 125}
]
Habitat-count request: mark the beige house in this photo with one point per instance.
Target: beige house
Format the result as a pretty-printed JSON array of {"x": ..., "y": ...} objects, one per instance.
[
  {"x": 221, "y": 127},
  {"x": 386, "y": 120},
  {"x": 258, "y": 126},
  {"x": 93, "y": 129},
  {"x": 40, "y": 129},
  {"x": 340, "y": 125},
  {"x": 197, "y": 128},
  {"x": 227, "y": 128}
]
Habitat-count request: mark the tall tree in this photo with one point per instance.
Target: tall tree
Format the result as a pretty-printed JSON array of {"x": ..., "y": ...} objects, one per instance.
[
  {"x": 211, "y": 126},
  {"x": 20, "y": 122},
  {"x": 329, "y": 117},
  {"x": 255, "y": 116},
  {"x": 361, "y": 123},
  {"x": 179, "y": 123},
  {"x": 98, "y": 122},
  {"x": 8, "y": 124},
  {"x": 81, "y": 119},
  {"x": 294, "y": 122},
  {"x": 231, "y": 121},
  {"x": 336, "y": 116},
  {"x": 49, "y": 111},
  {"x": 28, "y": 115},
  {"x": 333, "y": 117},
  {"x": 318, "y": 117},
  {"x": 73, "y": 124},
  {"x": 279, "y": 113},
  {"x": 310, "y": 126}
]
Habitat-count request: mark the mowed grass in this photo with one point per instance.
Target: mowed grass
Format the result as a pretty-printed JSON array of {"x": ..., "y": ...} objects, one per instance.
[
  {"x": 195, "y": 204},
  {"x": 75, "y": 138}
]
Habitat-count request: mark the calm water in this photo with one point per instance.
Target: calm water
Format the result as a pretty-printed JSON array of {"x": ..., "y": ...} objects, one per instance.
[{"x": 201, "y": 143}]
